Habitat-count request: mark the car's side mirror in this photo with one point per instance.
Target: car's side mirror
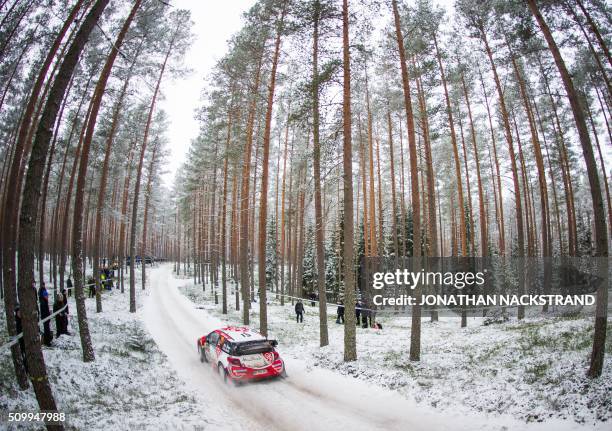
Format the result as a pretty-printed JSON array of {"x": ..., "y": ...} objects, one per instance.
[{"x": 274, "y": 343}]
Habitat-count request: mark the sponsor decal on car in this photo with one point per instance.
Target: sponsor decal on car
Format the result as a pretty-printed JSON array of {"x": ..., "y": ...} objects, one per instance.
[{"x": 269, "y": 357}]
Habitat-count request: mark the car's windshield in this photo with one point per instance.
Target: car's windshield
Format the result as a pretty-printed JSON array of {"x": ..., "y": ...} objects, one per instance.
[{"x": 253, "y": 347}]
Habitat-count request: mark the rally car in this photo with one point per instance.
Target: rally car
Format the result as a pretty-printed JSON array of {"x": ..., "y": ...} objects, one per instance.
[{"x": 240, "y": 354}]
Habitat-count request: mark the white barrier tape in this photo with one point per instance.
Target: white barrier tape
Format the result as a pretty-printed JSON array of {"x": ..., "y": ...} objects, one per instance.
[{"x": 41, "y": 322}]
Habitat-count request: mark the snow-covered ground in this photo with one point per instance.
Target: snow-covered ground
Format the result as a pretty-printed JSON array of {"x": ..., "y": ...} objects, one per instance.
[
  {"x": 130, "y": 386},
  {"x": 519, "y": 373},
  {"x": 147, "y": 373}
]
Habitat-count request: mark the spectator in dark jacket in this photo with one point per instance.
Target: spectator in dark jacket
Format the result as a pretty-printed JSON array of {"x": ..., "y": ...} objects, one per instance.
[
  {"x": 61, "y": 319},
  {"x": 69, "y": 286},
  {"x": 91, "y": 282},
  {"x": 340, "y": 311},
  {"x": 313, "y": 298},
  {"x": 43, "y": 300},
  {"x": 299, "y": 311},
  {"x": 357, "y": 313}
]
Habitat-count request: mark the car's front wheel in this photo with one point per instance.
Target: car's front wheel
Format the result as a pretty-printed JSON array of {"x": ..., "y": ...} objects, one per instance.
[{"x": 203, "y": 357}]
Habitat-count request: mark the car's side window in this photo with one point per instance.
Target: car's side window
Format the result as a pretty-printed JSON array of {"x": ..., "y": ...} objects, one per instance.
[
  {"x": 227, "y": 347},
  {"x": 213, "y": 338}
]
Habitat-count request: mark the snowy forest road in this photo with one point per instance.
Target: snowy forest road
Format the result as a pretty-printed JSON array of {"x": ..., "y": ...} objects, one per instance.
[{"x": 308, "y": 399}]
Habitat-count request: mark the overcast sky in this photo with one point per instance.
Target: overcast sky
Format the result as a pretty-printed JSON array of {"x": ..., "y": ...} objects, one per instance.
[{"x": 214, "y": 23}]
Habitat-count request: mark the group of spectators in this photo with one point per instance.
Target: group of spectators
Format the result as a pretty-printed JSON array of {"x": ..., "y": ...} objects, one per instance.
[
  {"x": 106, "y": 281},
  {"x": 363, "y": 315},
  {"x": 60, "y": 306}
]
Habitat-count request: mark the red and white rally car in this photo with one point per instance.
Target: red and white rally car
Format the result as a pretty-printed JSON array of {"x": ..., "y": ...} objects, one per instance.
[{"x": 240, "y": 354}]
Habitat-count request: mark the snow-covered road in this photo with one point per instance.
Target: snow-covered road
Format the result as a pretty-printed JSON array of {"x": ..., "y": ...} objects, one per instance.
[{"x": 309, "y": 399}]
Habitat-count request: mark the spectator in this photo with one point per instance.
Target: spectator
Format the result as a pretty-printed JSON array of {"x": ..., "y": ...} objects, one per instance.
[
  {"x": 92, "y": 287},
  {"x": 43, "y": 299},
  {"x": 61, "y": 319},
  {"x": 69, "y": 286},
  {"x": 357, "y": 313},
  {"x": 299, "y": 311},
  {"x": 340, "y": 311}
]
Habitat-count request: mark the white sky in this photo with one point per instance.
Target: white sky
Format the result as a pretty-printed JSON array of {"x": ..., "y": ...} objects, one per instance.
[{"x": 214, "y": 23}]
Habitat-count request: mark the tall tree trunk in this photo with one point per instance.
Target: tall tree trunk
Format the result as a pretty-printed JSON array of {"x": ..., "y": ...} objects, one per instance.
[
  {"x": 599, "y": 218},
  {"x": 316, "y": 165},
  {"x": 372, "y": 198},
  {"x": 565, "y": 173},
  {"x": 415, "y": 335},
  {"x": 244, "y": 199},
  {"x": 553, "y": 185},
  {"x": 223, "y": 220},
  {"x": 124, "y": 209},
  {"x": 145, "y": 219},
  {"x": 263, "y": 206},
  {"x": 481, "y": 200},
  {"x": 468, "y": 188},
  {"x": 393, "y": 190},
  {"x": 499, "y": 206},
  {"x": 350, "y": 349},
  {"x": 432, "y": 230},
  {"x": 449, "y": 113}
]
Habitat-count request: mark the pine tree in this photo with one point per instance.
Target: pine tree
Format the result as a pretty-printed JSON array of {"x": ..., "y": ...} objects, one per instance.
[
  {"x": 309, "y": 274},
  {"x": 271, "y": 256}
]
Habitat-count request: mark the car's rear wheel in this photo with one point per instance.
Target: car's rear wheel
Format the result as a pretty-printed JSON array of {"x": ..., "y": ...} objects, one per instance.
[{"x": 222, "y": 373}]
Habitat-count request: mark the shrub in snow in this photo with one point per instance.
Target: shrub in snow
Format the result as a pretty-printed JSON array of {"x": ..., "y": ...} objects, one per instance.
[{"x": 495, "y": 316}]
